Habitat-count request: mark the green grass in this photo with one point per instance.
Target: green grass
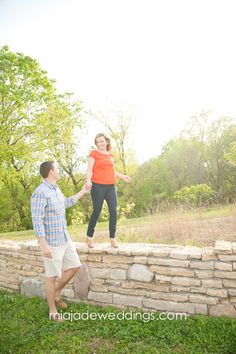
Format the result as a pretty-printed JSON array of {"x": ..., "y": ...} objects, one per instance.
[{"x": 25, "y": 328}]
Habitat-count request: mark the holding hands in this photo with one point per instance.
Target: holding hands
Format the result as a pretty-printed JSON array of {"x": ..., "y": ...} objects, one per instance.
[
  {"x": 126, "y": 178},
  {"x": 88, "y": 186}
]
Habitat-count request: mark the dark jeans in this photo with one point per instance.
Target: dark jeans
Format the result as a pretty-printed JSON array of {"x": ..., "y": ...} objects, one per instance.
[{"x": 99, "y": 192}]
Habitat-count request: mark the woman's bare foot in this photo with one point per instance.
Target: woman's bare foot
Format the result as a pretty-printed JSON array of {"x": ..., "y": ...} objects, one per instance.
[
  {"x": 89, "y": 242},
  {"x": 114, "y": 244}
]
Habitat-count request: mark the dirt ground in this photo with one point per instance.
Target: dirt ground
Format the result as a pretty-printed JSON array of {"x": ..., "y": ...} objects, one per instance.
[{"x": 202, "y": 232}]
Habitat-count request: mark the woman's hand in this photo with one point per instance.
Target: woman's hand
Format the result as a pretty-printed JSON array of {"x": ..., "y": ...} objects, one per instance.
[
  {"x": 126, "y": 178},
  {"x": 88, "y": 186}
]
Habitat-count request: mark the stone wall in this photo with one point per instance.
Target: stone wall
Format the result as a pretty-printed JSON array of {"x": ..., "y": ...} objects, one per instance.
[{"x": 166, "y": 278}]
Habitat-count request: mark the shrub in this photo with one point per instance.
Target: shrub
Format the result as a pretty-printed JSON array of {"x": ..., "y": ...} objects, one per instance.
[{"x": 194, "y": 196}]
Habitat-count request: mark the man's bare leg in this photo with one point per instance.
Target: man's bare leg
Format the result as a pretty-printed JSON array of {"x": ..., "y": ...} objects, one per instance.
[
  {"x": 50, "y": 283},
  {"x": 67, "y": 275}
]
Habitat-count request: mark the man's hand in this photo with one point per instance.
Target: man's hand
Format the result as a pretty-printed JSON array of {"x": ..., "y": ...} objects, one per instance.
[{"x": 46, "y": 251}]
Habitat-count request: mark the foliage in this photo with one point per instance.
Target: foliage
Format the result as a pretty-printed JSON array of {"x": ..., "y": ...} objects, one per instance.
[
  {"x": 37, "y": 123},
  {"x": 194, "y": 196}
]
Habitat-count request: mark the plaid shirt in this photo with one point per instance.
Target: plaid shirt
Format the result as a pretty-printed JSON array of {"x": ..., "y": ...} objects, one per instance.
[{"x": 48, "y": 206}]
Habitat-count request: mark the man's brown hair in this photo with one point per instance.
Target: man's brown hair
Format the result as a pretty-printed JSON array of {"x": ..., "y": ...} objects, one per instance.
[{"x": 45, "y": 167}]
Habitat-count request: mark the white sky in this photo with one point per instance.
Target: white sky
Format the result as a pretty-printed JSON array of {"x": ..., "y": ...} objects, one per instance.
[{"x": 169, "y": 59}]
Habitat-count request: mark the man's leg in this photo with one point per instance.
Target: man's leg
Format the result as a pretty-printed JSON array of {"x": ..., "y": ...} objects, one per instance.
[
  {"x": 50, "y": 295},
  {"x": 53, "y": 268},
  {"x": 70, "y": 265},
  {"x": 67, "y": 275}
]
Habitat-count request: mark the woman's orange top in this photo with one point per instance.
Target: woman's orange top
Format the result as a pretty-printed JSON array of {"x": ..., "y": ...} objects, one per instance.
[{"x": 103, "y": 168}]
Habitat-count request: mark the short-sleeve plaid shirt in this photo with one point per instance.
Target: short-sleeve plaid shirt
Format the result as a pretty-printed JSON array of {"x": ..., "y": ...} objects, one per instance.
[{"x": 48, "y": 206}]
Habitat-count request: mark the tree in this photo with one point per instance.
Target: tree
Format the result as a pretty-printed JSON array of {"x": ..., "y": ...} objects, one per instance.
[
  {"x": 59, "y": 131},
  {"x": 25, "y": 91},
  {"x": 118, "y": 124}
]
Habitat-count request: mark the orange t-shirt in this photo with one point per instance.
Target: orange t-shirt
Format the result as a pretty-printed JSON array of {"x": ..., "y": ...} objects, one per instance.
[{"x": 103, "y": 168}]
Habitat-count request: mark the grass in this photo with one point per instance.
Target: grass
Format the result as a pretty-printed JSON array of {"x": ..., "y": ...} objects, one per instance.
[
  {"x": 198, "y": 227},
  {"x": 25, "y": 328}
]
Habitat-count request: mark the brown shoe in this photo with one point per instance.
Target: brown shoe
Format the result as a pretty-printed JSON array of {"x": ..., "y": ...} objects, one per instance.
[
  {"x": 114, "y": 244},
  {"x": 89, "y": 242},
  {"x": 63, "y": 305}
]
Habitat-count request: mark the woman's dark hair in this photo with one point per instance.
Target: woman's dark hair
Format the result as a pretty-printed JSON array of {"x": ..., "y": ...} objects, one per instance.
[
  {"x": 45, "y": 167},
  {"x": 108, "y": 140}
]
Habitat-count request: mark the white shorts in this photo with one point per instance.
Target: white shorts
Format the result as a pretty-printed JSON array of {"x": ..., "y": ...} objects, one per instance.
[{"x": 63, "y": 258}]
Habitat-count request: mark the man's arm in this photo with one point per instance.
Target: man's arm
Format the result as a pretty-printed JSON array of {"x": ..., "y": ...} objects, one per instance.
[
  {"x": 73, "y": 200},
  {"x": 38, "y": 205},
  {"x": 44, "y": 247},
  {"x": 89, "y": 172}
]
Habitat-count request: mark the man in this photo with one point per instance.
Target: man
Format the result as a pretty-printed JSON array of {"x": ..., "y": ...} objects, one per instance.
[{"x": 60, "y": 258}]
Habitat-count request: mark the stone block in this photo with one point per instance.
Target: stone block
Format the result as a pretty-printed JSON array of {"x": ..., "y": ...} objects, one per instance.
[
  {"x": 208, "y": 254},
  {"x": 225, "y": 275},
  {"x": 202, "y": 299},
  {"x": 198, "y": 290},
  {"x": 3, "y": 263},
  {"x": 140, "y": 272},
  {"x": 132, "y": 292},
  {"x": 223, "y": 266},
  {"x": 140, "y": 260},
  {"x": 202, "y": 265},
  {"x": 176, "y": 288},
  {"x": 117, "y": 259},
  {"x": 32, "y": 287},
  {"x": 117, "y": 274},
  {"x": 143, "y": 285},
  {"x": 201, "y": 309},
  {"x": 227, "y": 258},
  {"x": 169, "y": 306},
  {"x": 99, "y": 273},
  {"x": 162, "y": 278},
  {"x": 82, "y": 282},
  {"x": 217, "y": 292},
  {"x": 100, "y": 297},
  {"x": 223, "y": 247},
  {"x": 186, "y": 281},
  {"x": 127, "y": 300},
  {"x": 69, "y": 293},
  {"x": 212, "y": 283},
  {"x": 168, "y": 296},
  {"x": 223, "y": 310},
  {"x": 229, "y": 283},
  {"x": 94, "y": 258},
  {"x": 204, "y": 274}
]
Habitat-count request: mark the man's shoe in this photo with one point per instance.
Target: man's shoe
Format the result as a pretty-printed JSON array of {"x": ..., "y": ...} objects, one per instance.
[{"x": 63, "y": 305}]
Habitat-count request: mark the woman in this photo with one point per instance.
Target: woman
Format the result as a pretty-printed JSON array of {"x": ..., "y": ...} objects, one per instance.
[{"x": 101, "y": 179}]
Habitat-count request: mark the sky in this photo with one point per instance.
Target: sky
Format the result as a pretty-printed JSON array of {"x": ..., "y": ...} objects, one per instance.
[{"x": 165, "y": 60}]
